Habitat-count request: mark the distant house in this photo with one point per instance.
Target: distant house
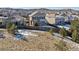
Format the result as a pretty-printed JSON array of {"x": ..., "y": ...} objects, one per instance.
[
  {"x": 3, "y": 20},
  {"x": 16, "y": 19},
  {"x": 54, "y": 19},
  {"x": 75, "y": 16},
  {"x": 50, "y": 18},
  {"x": 37, "y": 17},
  {"x": 68, "y": 18},
  {"x": 59, "y": 20},
  {"x": 71, "y": 17}
]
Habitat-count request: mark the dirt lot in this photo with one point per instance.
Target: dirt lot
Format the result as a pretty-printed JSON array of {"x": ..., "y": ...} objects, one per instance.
[{"x": 43, "y": 42}]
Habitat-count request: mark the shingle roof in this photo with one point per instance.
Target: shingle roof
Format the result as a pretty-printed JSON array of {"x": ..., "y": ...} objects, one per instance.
[{"x": 37, "y": 13}]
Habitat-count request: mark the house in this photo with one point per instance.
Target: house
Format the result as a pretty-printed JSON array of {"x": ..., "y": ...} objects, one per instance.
[
  {"x": 2, "y": 20},
  {"x": 17, "y": 19},
  {"x": 69, "y": 18},
  {"x": 37, "y": 17},
  {"x": 50, "y": 18},
  {"x": 59, "y": 19},
  {"x": 54, "y": 19}
]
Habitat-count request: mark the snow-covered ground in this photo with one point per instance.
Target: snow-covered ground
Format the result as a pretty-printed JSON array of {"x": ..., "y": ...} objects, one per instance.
[
  {"x": 67, "y": 27},
  {"x": 28, "y": 32}
]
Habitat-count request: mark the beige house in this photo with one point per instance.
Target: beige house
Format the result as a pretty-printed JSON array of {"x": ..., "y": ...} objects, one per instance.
[
  {"x": 31, "y": 18},
  {"x": 50, "y": 18}
]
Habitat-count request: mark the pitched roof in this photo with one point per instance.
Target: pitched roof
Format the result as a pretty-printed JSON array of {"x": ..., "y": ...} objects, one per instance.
[{"x": 37, "y": 13}]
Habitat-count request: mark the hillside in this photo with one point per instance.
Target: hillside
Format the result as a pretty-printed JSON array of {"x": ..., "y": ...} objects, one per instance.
[
  {"x": 43, "y": 42},
  {"x": 24, "y": 12}
]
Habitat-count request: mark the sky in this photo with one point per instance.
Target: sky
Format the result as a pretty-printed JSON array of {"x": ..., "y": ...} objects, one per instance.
[
  {"x": 30, "y": 4},
  {"x": 75, "y": 8}
]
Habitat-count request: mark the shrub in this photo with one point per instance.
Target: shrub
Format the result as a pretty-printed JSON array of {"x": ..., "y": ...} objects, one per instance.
[
  {"x": 75, "y": 35},
  {"x": 61, "y": 45},
  {"x": 11, "y": 28},
  {"x": 51, "y": 31},
  {"x": 36, "y": 24},
  {"x": 63, "y": 32}
]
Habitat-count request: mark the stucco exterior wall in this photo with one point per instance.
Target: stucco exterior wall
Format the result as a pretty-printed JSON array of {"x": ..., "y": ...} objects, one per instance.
[{"x": 50, "y": 18}]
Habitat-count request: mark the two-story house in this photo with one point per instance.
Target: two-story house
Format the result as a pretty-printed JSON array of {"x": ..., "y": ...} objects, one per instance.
[
  {"x": 54, "y": 19},
  {"x": 37, "y": 17}
]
